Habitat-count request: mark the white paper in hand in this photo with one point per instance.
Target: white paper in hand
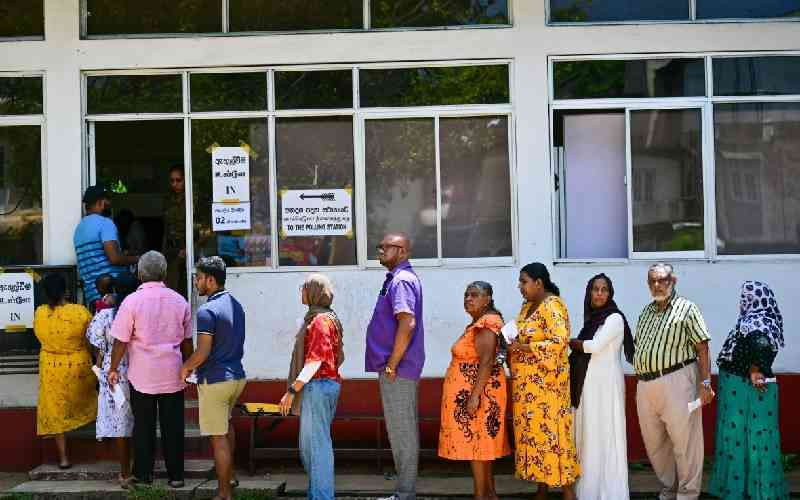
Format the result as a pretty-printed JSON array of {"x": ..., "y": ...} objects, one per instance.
[
  {"x": 192, "y": 378},
  {"x": 695, "y": 405},
  {"x": 509, "y": 331},
  {"x": 97, "y": 372}
]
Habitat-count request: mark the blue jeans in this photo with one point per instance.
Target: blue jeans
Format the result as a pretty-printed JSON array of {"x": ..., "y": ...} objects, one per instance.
[{"x": 316, "y": 448}]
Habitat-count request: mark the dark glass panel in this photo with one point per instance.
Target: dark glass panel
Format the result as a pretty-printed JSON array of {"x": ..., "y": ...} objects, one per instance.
[
  {"x": 629, "y": 79},
  {"x": 588, "y": 11},
  {"x": 428, "y": 13},
  {"x": 295, "y": 15},
  {"x": 113, "y": 17},
  {"x": 19, "y": 18},
  {"x": 747, "y": 9},
  {"x": 739, "y": 76},
  {"x": 313, "y": 89},
  {"x": 228, "y": 91},
  {"x": 21, "y": 96},
  {"x": 434, "y": 86},
  {"x": 134, "y": 94}
]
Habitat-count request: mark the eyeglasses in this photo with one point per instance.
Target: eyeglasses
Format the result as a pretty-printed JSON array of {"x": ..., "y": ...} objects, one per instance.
[
  {"x": 660, "y": 281},
  {"x": 383, "y": 247}
]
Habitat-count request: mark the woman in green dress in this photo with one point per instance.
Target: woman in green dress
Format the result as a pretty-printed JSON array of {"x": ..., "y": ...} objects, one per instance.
[{"x": 747, "y": 457}]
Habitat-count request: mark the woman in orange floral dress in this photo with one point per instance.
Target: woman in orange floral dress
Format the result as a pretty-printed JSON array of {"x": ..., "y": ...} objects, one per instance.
[
  {"x": 474, "y": 396},
  {"x": 545, "y": 448}
]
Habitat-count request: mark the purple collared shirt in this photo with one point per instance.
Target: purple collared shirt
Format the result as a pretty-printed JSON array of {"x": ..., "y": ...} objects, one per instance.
[{"x": 401, "y": 293}]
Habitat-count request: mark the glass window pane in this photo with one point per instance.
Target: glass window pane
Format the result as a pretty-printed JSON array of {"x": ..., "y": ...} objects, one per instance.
[
  {"x": 134, "y": 94},
  {"x": 313, "y": 89},
  {"x": 629, "y": 79},
  {"x": 476, "y": 192},
  {"x": 667, "y": 184},
  {"x": 434, "y": 86},
  {"x": 228, "y": 91},
  {"x": 295, "y": 15},
  {"x": 427, "y": 13},
  {"x": 401, "y": 183},
  {"x": 238, "y": 248},
  {"x": 20, "y": 195},
  {"x": 21, "y": 96},
  {"x": 591, "y": 11},
  {"x": 20, "y": 18},
  {"x": 777, "y": 75},
  {"x": 324, "y": 163},
  {"x": 112, "y": 17},
  {"x": 757, "y": 148},
  {"x": 747, "y": 9}
]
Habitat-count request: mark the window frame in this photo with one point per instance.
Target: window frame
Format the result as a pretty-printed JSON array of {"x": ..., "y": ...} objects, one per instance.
[
  {"x": 364, "y": 257},
  {"x": 706, "y": 103}
]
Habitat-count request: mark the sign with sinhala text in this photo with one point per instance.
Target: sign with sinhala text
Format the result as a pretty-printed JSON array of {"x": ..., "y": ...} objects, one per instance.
[
  {"x": 230, "y": 171},
  {"x": 16, "y": 301},
  {"x": 316, "y": 212}
]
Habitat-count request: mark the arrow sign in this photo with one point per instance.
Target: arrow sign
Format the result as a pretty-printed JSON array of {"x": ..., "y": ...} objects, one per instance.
[{"x": 323, "y": 196}]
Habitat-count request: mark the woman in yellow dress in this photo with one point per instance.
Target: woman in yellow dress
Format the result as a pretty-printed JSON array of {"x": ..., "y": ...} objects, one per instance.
[
  {"x": 67, "y": 395},
  {"x": 545, "y": 448}
]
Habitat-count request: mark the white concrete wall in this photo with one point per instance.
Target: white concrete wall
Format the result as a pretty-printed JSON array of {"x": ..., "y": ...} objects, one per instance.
[{"x": 271, "y": 298}]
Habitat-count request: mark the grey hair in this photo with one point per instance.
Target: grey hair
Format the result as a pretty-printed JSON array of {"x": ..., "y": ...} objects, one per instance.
[
  {"x": 152, "y": 266},
  {"x": 661, "y": 266}
]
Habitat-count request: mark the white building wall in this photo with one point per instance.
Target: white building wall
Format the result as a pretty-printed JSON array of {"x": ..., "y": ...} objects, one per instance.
[{"x": 271, "y": 297}]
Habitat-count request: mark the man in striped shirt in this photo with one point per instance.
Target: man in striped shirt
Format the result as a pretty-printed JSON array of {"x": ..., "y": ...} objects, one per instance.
[{"x": 671, "y": 355}]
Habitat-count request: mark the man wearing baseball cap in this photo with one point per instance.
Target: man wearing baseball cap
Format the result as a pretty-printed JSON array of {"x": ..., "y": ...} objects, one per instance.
[{"x": 97, "y": 242}]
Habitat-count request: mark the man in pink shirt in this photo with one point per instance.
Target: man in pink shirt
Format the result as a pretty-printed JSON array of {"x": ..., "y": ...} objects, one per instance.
[{"x": 154, "y": 325}]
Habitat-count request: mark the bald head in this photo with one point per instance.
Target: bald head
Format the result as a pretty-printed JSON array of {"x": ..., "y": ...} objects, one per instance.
[
  {"x": 394, "y": 249},
  {"x": 400, "y": 239}
]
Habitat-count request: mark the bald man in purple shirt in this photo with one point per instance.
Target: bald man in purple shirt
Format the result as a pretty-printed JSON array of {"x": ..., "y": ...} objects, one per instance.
[{"x": 396, "y": 351}]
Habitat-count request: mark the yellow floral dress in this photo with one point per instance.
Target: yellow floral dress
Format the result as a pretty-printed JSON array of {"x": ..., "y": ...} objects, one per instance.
[
  {"x": 545, "y": 448},
  {"x": 67, "y": 394}
]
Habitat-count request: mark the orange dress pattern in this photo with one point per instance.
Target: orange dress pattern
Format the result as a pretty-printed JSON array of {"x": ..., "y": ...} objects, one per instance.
[
  {"x": 545, "y": 447},
  {"x": 481, "y": 436}
]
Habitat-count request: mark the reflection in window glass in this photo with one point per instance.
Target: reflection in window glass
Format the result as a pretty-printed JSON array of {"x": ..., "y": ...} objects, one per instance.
[
  {"x": 631, "y": 79},
  {"x": 295, "y": 15},
  {"x": 434, "y": 86},
  {"x": 667, "y": 171},
  {"x": 20, "y": 195},
  {"x": 589, "y": 11},
  {"x": 757, "y": 178},
  {"x": 401, "y": 183},
  {"x": 237, "y": 248},
  {"x": 313, "y": 89},
  {"x": 747, "y": 9},
  {"x": 775, "y": 75},
  {"x": 134, "y": 94},
  {"x": 21, "y": 96},
  {"x": 112, "y": 17},
  {"x": 427, "y": 13},
  {"x": 324, "y": 163},
  {"x": 229, "y": 91},
  {"x": 476, "y": 198},
  {"x": 21, "y": 18}
]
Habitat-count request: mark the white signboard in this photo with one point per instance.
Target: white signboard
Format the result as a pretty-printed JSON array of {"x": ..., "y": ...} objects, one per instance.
[
  {"x": 230, "y": 216},
  {"x": 230, "y": 170},
  {"x": 317, "y": 212},
  {"x": 16, "y": 301}
]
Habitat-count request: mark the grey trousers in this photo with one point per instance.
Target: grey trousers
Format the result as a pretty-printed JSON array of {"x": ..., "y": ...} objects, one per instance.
[{"x": 399, "y": 400}]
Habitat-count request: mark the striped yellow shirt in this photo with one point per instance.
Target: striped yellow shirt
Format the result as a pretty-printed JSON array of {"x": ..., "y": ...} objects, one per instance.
[{"x": 666, "y": 338}]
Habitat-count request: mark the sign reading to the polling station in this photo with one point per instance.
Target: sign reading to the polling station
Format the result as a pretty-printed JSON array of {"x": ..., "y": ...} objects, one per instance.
[
  {"x": 230, "y": 216},
  {"x": 16, "y": 301},
  {"x": 316, "y": 212},
  {"x": 230, "y": 170}
]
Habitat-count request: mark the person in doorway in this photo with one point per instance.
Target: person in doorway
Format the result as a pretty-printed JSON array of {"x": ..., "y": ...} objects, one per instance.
[
  {"x": 67, "y": 395},
  {"x": 218, "y": 362},
  {"x": 97, "y": 242},
  {"x": 314, "y": 383},
  {"x": 114, "y": 422},
  {"x": 174, "y": 244},
  {"x": 132, "y": 234},
  {"x": 545, "y": 449},
  {"x": 747, "y": 455},
  {"x": 597, "y": 388},
  {"x": 154, "y": 326},
  {"x": 672, "y": 365},
  {"x": 396, "y": 350},
  {"x": 474, "y": 395}
]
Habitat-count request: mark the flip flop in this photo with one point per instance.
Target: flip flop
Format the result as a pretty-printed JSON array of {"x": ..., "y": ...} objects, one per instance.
[{"x": 64, "y": 466}]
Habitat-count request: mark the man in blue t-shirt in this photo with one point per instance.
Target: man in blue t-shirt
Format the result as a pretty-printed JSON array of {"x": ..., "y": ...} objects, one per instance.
[
  {"x": 218, "y": 361},
  {"x": 97, "y": 242}
]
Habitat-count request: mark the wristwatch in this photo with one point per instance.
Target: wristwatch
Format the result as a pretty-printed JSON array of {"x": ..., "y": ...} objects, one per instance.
[
  {"x": 388, "y": 370},
  {"x": 291, "y": 390},
  {"x": 707, "y": 383}
]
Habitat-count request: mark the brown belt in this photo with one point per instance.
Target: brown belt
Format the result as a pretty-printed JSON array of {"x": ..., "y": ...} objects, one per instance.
[{"x": 645, "y": 377}]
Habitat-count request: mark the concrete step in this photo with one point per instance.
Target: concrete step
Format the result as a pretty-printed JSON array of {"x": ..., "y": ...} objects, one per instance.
[
  {"x": 199, "y": 489},
  {"x": 104, "y": 471}
]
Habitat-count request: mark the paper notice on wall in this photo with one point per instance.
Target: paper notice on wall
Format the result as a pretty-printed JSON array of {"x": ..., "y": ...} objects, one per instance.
[
  {"x": 230, "y": 171},
  {"x": 230, "y": 216},
  {"x": 16, "y": 301},
  {"x": 316, "y": 212}
]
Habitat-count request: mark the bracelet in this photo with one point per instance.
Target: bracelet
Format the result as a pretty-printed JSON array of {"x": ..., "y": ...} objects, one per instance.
[{"x": 707, "y": 383}]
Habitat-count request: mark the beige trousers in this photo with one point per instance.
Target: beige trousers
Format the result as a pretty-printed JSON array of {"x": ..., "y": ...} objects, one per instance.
[{"x": 673, "y": 437}]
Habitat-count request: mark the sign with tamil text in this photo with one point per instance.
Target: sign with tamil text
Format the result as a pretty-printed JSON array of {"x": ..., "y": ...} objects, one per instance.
[
  {"x": 316, "y": 212},
  {"x": 16, "y": 301}
]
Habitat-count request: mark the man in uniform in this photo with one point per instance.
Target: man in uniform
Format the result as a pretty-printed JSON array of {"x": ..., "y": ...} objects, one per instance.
[{"x": 174, "y": 244}]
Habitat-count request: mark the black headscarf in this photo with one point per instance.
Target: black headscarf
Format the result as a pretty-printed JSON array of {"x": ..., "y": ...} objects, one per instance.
[{"x": 593, "y": 319}]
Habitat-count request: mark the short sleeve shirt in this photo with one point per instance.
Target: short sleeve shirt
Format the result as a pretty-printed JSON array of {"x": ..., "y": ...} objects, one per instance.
[
  {"x": 222, "y": 317},
  {"x": 401, "y": 293},
  {"x": 90, "y": 234},
  {"x": 321, "y": 343}
]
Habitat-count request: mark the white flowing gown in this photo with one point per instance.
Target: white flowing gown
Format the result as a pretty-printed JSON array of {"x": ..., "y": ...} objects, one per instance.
[{"x": 600, "y": 418}]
